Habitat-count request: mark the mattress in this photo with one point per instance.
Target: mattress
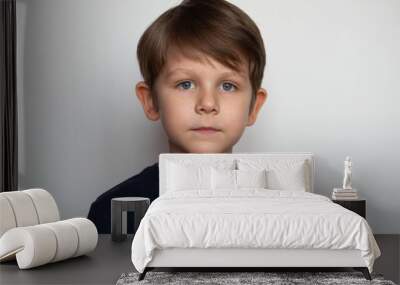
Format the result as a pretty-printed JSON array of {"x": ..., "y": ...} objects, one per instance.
[{"x": 250, "y": 218}]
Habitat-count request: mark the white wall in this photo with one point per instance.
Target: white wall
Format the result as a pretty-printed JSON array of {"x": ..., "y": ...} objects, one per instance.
[{"x": 332, "y": 75}]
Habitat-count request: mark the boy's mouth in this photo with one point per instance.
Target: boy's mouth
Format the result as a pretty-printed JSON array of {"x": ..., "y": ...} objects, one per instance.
[{"x": 206, "y": 130}]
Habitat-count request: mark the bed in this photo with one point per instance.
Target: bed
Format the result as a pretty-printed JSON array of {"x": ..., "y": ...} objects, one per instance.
[{"x": 247, "y": 210}]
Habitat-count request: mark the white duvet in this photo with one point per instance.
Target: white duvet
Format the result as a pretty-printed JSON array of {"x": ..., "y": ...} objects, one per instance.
[{"x": 251, "y": 218}]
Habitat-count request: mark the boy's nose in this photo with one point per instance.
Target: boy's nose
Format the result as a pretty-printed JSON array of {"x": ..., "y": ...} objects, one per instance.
[{"x": 207, "y": 102}]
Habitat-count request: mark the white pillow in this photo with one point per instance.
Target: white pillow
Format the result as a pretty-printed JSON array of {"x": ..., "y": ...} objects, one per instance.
[
  {"x": 188, "y": 174},
  {"x": 229, "y": 179},
  {"x": 251, "y": 178},
  {"x": 223, "y": 179},
  {"x": 287, "y": 179},
  {"x": 187, "y": 177},
  {"x": 282, "y": 174}
]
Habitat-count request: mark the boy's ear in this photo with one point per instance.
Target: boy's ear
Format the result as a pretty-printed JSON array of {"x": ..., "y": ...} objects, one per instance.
[
  {"x": 261, "y": 96},
  {"x": 143, "y": 93}
]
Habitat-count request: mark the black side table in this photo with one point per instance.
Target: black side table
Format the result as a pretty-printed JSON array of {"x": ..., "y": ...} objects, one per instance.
[
  {"x": 119, "y": 207},
  {"x": 358, "y": 206}
]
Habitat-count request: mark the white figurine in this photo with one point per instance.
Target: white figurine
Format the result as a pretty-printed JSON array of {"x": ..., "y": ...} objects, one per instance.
[{"x": 347, "y": 173}]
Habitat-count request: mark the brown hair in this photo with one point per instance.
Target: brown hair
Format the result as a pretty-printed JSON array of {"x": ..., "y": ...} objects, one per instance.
[{"x": 214, "y": 27}]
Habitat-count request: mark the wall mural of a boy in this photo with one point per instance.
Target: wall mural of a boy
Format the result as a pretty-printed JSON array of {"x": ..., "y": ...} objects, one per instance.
[{"x": 202, "y": 64}]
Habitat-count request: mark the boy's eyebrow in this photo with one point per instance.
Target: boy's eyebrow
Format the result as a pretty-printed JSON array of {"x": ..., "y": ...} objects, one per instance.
[
  {"x": 227, "y": 73},
  {"x": 234, "y": 73}
]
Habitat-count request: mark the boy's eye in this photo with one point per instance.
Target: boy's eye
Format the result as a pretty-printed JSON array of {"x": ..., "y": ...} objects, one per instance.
[
  {"x": 185, "y": 85},
  {"x": 226, "y": 86}
]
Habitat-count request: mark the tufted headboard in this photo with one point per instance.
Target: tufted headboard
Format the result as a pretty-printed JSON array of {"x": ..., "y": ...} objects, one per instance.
[{"x": 212, "y": 158}]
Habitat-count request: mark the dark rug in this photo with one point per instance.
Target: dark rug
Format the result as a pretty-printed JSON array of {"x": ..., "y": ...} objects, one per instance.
[{"x": 228, "y": 278}]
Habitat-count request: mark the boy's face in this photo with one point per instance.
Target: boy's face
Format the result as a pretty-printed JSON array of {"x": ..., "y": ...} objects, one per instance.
[{"x": 194, "y": 95}]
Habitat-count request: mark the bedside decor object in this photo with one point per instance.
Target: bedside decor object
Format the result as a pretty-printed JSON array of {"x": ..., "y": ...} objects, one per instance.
[
  {"x": 347, "y": 192},
  {"x": 347, "y": 173},
  {"x": 119, "y": 208},
  {"x": 31, "y": 232},
  {"x": 344, "y": 194}
]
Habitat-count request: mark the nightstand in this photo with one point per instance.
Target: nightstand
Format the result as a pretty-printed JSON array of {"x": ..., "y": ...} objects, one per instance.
[
  {"x": 119, "y": 208},
  {"x": 358, "y": 206}
]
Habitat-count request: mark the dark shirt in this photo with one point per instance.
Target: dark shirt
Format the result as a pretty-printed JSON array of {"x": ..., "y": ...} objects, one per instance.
[{"x": 144, "y": 184}]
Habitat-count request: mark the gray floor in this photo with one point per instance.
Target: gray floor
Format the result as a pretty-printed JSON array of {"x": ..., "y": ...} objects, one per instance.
[
  {"x": 110, "y": 260},
  {"x": 389, "y": 262}
]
